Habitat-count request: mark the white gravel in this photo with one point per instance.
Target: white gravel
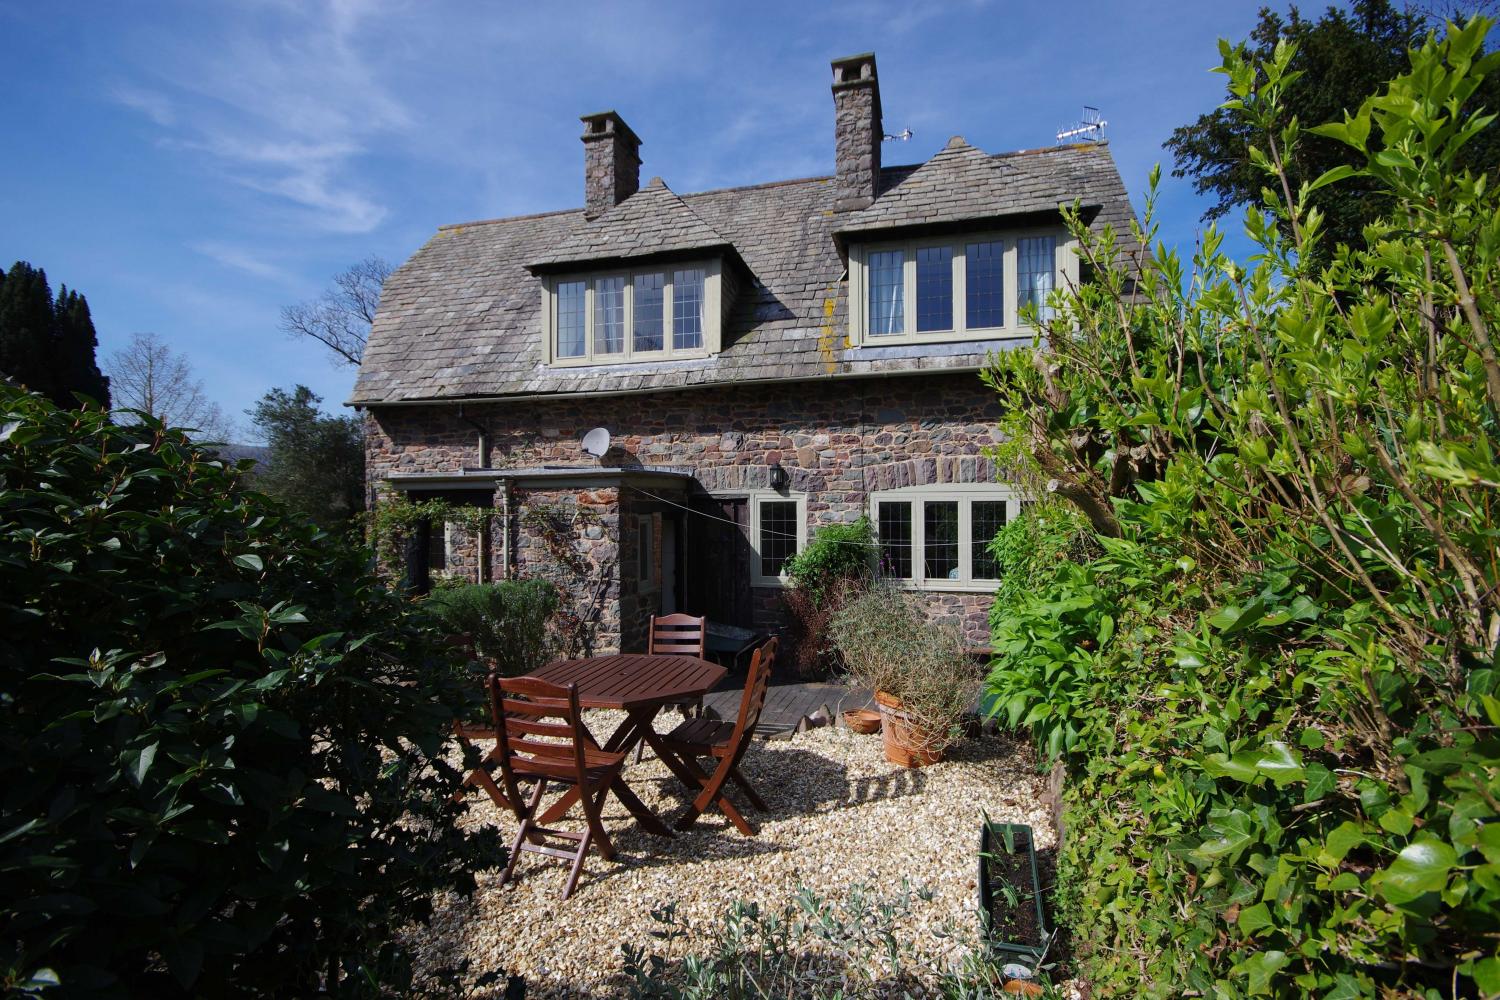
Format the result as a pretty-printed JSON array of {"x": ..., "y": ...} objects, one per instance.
[{"x": 839, "y": 815}]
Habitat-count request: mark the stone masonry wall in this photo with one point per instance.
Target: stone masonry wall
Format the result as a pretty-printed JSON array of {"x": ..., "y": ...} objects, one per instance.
[{"x": 839, "y": 441}]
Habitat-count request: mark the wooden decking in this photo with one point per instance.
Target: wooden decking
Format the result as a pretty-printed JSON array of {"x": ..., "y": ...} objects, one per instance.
[{"x": 788, "y": 703}]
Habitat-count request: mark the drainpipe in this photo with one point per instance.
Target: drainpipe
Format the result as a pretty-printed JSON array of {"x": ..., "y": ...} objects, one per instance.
[
  {"x": 505, "y": 548},
  {"x": 484, "y": 437}
]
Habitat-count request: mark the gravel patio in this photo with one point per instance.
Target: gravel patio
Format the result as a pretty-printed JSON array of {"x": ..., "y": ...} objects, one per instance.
[{"x": 840, "y": 815}]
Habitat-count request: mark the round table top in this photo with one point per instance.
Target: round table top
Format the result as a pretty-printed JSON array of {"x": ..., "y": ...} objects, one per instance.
[{"x": 634, "y": 680}]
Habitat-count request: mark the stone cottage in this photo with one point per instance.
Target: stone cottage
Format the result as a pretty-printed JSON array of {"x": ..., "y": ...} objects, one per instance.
[{"x": 764, "y": 360}]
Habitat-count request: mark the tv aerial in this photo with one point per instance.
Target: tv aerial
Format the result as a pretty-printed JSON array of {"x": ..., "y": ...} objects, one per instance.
[
  {"x": 596, "y": 442},
  {"x": 1090, "y": 128}
]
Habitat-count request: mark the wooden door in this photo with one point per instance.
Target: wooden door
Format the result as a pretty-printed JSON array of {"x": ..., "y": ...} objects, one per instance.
[{"x": 717, "y": 577}]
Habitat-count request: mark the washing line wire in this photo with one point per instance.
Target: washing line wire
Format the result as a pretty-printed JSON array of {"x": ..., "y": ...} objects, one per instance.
[{"x": 725, "y": 520}]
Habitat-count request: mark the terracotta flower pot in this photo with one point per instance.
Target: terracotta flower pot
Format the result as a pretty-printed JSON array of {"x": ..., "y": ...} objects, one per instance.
[
  {"x": 906, "y": 743},
  {"x": 862, "y": 720}
]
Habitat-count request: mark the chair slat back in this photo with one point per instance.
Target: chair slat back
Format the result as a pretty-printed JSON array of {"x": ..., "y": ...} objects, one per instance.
[
  {"x": 522, "y": 709},
  {"x": 756, "y": 685},
  {"x": 676, "y": 635}
]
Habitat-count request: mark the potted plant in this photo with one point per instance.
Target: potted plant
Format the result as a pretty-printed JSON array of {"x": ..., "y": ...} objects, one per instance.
[{"x": 924, "y": 683}]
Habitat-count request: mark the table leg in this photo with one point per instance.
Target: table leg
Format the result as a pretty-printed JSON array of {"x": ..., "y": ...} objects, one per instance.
[{"x": 635, "y": 727}]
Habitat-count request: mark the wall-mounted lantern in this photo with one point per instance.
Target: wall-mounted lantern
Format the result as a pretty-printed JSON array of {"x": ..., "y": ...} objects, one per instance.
[{"x": 779, "y": 478}]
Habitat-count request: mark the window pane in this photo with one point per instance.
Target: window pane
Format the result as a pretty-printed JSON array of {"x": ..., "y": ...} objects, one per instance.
[
  {"x": 940, "y": 540},
  {"x": 645, "y": 550},
  {"x": 984, "y": 284},
  {"x": 570, "y": 319},
  {"x": 1036, "y": 260},
  {"x": 687, "y": 309},
  {"x": 934, "y": 288},
  {"x": 647, "y": 335},
  {"x": 895, "y": 540},
  {"x": 778, "y": 535},
  {"x": 609, "y": 315},
  {"x": 437, "y": 546},
  {"x": 887, "y": 293},
  {"x": 986, "y": 518}
]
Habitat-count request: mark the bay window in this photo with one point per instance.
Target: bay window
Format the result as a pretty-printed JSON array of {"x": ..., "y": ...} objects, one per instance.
[
  {"x": 938, "y": 537},
  {"x": 956, "y": 288}
]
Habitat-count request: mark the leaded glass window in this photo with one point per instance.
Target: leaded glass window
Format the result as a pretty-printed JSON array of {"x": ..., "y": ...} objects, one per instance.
[
  {"x": 646, "y": 334},
  {"x": 887, "y": 293},
  {"x": 778, "y": 535},
  {"x": 934, "y": 288},
  {"x": 894, "y": 525},
  {"x": 1036, "y": 260},
  {"x": 940, "y": 540},
  {"x": 687, "y": 309},
  {"x": 570, "y": 317},
  {"x": 609, "y": 315},
  {"x": 984, "y": 284}
]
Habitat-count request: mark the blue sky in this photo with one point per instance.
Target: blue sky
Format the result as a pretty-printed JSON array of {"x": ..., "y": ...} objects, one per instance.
[{"x": 192, "y": 167}]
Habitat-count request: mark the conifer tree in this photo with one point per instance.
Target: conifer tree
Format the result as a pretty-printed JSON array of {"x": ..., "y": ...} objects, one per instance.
[{"x": 48, "y": 344}]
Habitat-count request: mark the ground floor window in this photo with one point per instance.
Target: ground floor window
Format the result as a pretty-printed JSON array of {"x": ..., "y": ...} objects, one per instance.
[
  {"x": 778, "y": 531},
  {"x": 439, "y": 545},
  {"x": 937, "y": 537},
  {"x": 646, "y": 551}
]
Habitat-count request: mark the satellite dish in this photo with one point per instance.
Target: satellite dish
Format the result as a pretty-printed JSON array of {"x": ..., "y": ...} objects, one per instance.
[{"x": 596, "y": 442}]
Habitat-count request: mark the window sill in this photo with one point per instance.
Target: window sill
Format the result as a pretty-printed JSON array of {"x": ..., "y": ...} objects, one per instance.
[
  {"x": 950, "y": 586},
  {"x": 950, "y": 337},
  {"x": 638, "y": 359}
]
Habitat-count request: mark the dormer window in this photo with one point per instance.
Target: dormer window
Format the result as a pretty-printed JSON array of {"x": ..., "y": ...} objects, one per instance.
[
  {"x": 655, "y": 313},
  {"x": 954, "y": 288}
]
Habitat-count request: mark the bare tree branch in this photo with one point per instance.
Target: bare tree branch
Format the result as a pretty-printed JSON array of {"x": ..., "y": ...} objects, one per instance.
[
  {"x": 340, "y": 318},
  {"x": 150, "y": 377}
]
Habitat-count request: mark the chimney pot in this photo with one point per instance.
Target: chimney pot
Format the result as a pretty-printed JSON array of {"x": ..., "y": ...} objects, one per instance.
[
  {"x": 611, "y": 162},
  {"x": 857, "y": 131}
]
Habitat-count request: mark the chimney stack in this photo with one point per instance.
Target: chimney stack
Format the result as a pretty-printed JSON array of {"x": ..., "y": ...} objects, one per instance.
[
  {"x": 857, "y": 131},
  {"x": 611, "y": 162}
]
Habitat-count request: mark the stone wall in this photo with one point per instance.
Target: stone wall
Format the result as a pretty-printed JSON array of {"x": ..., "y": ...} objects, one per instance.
[{"x": 839, "y": 440}]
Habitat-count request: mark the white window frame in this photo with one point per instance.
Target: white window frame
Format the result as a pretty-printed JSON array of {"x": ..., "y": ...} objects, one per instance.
[
  {"x": 645, "y": 555},
  {"x": 755, "y": 500},
  {"x": 1065, "y": 273},
  {"x": 712, "y": 315},
  {"x": 964, "y": 494}
]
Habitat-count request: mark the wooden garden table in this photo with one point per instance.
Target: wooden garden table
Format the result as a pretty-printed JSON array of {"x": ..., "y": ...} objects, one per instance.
[{"x": 641, "y": 685}]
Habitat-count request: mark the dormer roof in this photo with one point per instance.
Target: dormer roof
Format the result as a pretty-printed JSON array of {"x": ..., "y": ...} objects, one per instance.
[
  {"x": 962, "y": 185},
  {"x": 652, "y": 224}
]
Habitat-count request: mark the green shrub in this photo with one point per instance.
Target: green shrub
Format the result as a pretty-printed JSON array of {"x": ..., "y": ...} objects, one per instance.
[
  {"x": 837, "y": 555},
  {"x": 511, "y": 622},
  {"x": 219, "y": 734},
  {"x": 836, "y": 565},
  {"x": 1275, "y": 689},
  {"x": 889, "y": 645},
  {"x": 1028, "y": 549}
]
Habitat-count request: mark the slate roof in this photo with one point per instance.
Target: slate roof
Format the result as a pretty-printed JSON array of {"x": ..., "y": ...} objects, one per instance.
[
  {"x": 964, "y": 184},
  {"x": 652, "y": 222},
  {"x": 462, "y": 317}
]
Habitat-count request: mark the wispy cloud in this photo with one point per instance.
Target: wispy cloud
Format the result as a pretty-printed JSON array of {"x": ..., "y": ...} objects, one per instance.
[
  {"x": 240, "y": 259},
  {"x": 285, "y": 107},
  {"x": 155, "y": 106}
]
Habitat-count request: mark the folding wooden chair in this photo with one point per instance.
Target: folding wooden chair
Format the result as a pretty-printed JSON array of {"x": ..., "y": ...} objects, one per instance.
[
  {"x": 532, "y": 748},
  {"x": 725, "y": 743},
  {"x": 676, "y": 635},
  {"x": 468, "y": 733}
]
